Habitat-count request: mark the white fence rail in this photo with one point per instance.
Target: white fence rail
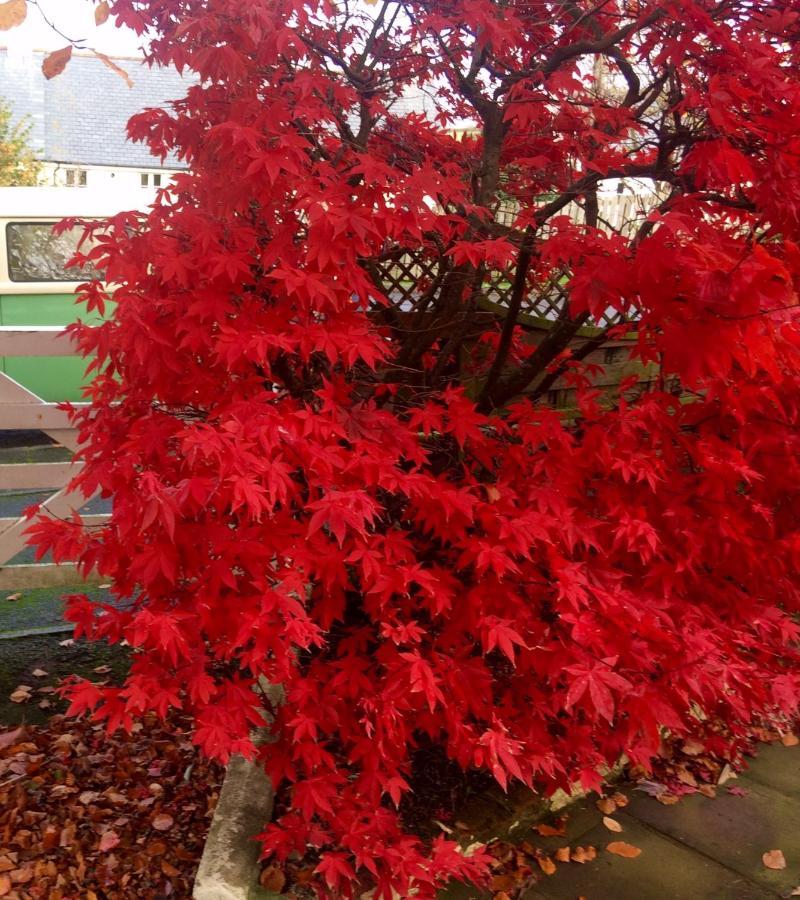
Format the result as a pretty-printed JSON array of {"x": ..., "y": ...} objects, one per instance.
[{"x": 20, "y": 409}]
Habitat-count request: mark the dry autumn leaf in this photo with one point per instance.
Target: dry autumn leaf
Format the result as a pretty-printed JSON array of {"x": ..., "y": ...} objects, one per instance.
[
  {"x": 272, "y": 879},
  {"x": 612, "y": 824},
  {"x": 101, "y": 13},
  {"x": 108, "y": 841},
  {"x": 12, "y": 14},
  {"x": 550, "y": 830},
  {"x": 546, "y": 865},
  {"x": 774, "y": 859},
  {"x": 5, "y": 885},
  {"x": 38, "y": 673},
  {"x": 620, "y": 799},
  {"x": 621, "y": 848},
  {"x": 11, "y": 737},
  {"x": 606, "y": 805},
  {"x": 667, "y": 799},
  {"x": 163, "y": 822},
  {"x": 12, "y": 597},
  {"x": 562, "y": 854},
  {"x": 54, "y": 63},
  {"x": 118, "y": 70},
  {"x": 790, "y": 740},
  {"x": 693, "y": 747},
  {"x": 171, "y": 872},
  {"x": 19, "y": 696}
]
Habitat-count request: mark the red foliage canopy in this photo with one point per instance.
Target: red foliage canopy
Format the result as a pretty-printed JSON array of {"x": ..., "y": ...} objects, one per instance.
[{"x": 359, "y": 490}]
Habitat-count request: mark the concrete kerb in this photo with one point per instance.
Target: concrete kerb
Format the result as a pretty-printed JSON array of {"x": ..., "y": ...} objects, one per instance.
[{"x": 229, "y": 866}]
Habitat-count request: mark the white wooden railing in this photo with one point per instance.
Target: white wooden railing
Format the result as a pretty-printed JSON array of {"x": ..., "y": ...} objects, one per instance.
[{"x": 20, "y": 409}]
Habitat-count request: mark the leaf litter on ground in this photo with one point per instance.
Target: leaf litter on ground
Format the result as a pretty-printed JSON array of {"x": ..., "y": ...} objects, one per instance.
[{"x": 80, "y": 811}]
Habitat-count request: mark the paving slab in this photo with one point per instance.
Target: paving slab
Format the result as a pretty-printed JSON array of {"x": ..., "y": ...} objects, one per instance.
[
  {"x": 734, "y": 830},
  {"x": 665, "y": 870},
  {"x": 777, "y": 767},
  {"x": 697, "y": 849}
]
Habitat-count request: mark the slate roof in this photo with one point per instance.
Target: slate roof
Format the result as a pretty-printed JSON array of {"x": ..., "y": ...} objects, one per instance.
[{"x": 80, "y": 116}]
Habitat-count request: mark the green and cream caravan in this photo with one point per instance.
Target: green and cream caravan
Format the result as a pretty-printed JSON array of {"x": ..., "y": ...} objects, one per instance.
[{"x": 36, "y": 288}]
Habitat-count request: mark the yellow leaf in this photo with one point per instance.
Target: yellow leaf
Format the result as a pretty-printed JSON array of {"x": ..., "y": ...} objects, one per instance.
[
  {"x": 55, "y": 63},
  {"x": 620, "y": 848},
  {"x": 774, "y": 859},
  {"x": 612, "y": 824},
  {"x": 12, "y": 14},
  {"x": 101, "y": 13}
]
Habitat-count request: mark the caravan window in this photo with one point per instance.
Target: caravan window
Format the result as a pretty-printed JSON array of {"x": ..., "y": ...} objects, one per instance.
[{"x": 36, "y": 254}]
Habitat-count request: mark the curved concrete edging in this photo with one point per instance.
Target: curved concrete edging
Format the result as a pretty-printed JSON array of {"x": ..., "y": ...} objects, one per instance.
[{"x": 229, "y": 865}]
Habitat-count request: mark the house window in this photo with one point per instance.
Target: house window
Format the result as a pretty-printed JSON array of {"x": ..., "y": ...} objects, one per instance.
[
  {"x": 75, "y": 177},
  {"x": 150, "y": 178}
]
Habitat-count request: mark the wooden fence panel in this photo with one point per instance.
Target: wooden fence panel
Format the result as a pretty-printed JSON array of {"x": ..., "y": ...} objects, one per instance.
[{"x": 20, "y": 409}]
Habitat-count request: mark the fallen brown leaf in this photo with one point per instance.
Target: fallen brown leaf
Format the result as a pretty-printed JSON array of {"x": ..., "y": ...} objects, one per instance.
[
  {"x": 621, "y": 848},
  {"x": 499, "y": 882},
  {"x": 562, "y": 854},
  {"x": 606, "y": 805},
  {"x": 501, "y": 895},
  {"x": 693, "y": 747},
  {"x": 579, "y": 855},
  {"x": 667, "y": 799},
  {"x": 272, "y": 879},
  {"x": 620, "y": 799},
  {"x": 108, "y": 841},
  {"x": 550, "y": 830},
  {"x": 22, "y": 875},
  {"x": 163, "y": 822},
  {"x": 790, "y": 740},
  {"x": 546, "y": 865},
  {"x": 171, "y": 872},
  {"x": 13, "y": 597},
  {"x": 726, "y": 774},
  {"x": 707, "y": 790},
  {"x": 38, "y": 673},
  {"x": 5, "y": 885},
  {"x": 11, "y": 737},
  {"x": 774, "y": 859},
  {"x": 19, "y": 696},
  {"x": 612, "y": 824}
]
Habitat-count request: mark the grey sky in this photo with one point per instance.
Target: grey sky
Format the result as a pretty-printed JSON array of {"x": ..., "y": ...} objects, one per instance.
[{"x": 75, "y": 18}]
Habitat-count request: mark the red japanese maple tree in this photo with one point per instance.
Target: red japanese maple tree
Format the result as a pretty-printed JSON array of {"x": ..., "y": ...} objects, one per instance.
[{"x": 356, "y": 402}]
